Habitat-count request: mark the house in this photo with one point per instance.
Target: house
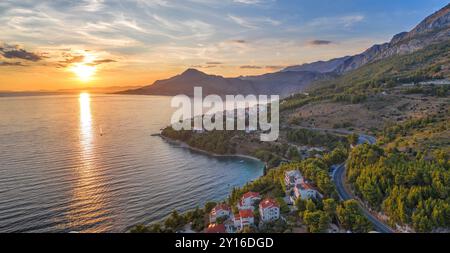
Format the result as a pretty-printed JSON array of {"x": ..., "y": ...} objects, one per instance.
[
  {"x": 221, "y": 210},
  {"x": 244, "y": 218},
  {"x": 291, "y": 178},
  {"x": 216, "y": 229},
  {"x": 248, "y": 200},
  {"x": 229, "y": 226},
  {"x": 269, "y": 210},
  {"x": 305, "y": 191}
]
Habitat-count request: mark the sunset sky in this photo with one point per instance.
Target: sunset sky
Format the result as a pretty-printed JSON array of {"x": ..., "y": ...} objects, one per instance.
[{"x": 64, "y": 44}]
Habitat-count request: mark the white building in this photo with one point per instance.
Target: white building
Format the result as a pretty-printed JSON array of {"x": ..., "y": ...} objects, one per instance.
[
  {"x": 248, "y": 200},
  {"x": 269, "y": 210},
  {"x": 244, "y": 218},
  {"x": 305, "y": 191},
  {"x": 221, "y": 210},
  {"x": 291, "y": 178}
]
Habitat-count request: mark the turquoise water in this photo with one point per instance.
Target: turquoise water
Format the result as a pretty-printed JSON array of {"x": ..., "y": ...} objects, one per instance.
[{"x": 90, "y": 164}]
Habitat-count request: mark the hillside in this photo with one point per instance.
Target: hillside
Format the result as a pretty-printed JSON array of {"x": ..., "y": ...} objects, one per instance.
[
  {"x": 404, "y": 177},
  {"x": 281, "y": 83},
  {"x": 431, "y": 34},
  {"x": 434, "y": 29}
]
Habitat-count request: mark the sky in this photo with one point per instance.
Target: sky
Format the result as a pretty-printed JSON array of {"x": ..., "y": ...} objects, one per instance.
[{"x": 64, "y": 44}]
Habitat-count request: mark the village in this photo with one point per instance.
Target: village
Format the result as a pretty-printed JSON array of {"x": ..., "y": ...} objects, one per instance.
[{"x": 254, "y": 210}]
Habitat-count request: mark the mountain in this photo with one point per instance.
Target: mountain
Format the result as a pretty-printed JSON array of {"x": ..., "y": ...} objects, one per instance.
[
  {"x": 185, "y": 83},
  {"x": 320, "y": 66},
  {"x": 285, "y": 83},
  {"x": 281, "y": 83},
  {"x": 433, "y": 30}
]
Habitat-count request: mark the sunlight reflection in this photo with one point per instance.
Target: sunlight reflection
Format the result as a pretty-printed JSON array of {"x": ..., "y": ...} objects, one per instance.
[
  {"x": 88, "y": 200},
  {"x": 85, "y": 118}
]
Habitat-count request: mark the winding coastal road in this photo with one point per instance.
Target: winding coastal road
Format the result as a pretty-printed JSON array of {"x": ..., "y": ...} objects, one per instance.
[{"x": 346, "y": 194}]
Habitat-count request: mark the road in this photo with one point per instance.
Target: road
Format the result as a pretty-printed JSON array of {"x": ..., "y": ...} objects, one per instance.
[
  {"x": 346, "y": 194},
  {"x": 339, "y": 179}
]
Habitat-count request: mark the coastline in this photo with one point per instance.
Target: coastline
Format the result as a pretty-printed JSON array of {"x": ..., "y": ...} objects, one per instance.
[{"x": 185, "y": 145}]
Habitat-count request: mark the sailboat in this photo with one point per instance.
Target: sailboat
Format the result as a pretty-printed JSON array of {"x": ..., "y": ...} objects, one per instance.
[{"x": 101, "y": 131}]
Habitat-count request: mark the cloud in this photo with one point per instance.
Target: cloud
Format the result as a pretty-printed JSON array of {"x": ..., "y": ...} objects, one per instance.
[
  {"x": 254, "y": 23},
  {"x": 98, "y": 62},
  {"x": 239, "y": 41},
  {"x": 14, "y": 52},
  {"x": 214, "y": 63},
  {"x": 275, "y": 67},
  {"x": 320, "y": 42},
  {"x": 251, "y": 67},
  {"x": 254, "y": 2},
  {"x": 72, "y": 59},
  {"x": 19, "y": 64},
  {"x": 203, "y": 66},
  {"x": 247, "y": 1},
  {"x": 330, "y": 22},
  {"x": 242, "y": 22}
]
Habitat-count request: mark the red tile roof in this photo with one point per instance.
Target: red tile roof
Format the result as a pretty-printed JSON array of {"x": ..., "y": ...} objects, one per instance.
[
  {"x": 250, "y": 195},
  {"x": 267, "y": 203},
  {"x": 307, "y": 186},
  {"x": 221, "y": 207},
  {"x": 246, "y": 214},
  {"x": 216, "y": 229}
]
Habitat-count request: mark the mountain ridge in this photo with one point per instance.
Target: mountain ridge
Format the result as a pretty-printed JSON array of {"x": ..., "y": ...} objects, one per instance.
[{"x": 432, "y": 30}]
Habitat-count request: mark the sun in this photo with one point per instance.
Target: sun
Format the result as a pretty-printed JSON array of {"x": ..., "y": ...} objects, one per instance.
[{"x": 84, "y": 71}]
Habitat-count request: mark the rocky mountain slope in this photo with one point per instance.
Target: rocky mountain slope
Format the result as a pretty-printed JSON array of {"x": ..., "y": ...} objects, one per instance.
[
  {"x": 434, "y": 30},
  {"x": 320, "y": 66}
]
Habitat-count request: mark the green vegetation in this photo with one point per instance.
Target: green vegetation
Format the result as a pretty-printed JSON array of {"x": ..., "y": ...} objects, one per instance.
[
  {"x": 429, "y": 90},
  {"x": 425, "y": 137},
  {"x": 409, "y": 190},
  {"x": 350, "y": 217},
  {"x": 357, "y": 86},
  {"x": 420, "y": 66},
  {"x": 217, "y": 142},
  {"x": 337, "y": 156},
  {"x": 314, "y": 138},
  {"x": 405, "y": 176}
]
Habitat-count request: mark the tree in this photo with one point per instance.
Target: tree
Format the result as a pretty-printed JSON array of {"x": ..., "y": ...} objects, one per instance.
[
  {"x": 317, "y": 221},
  {"x": 350, "y": 217},
  {"x": 329, "y": 206},
  {"x": 139, "y": 229},
  {"x": 209, "y": 206},
  {"x": 174, "y": 222},
  {"x": 312, "y": 220},
  {"x": 310, "y": 205},
  {"x": 293, "y": 154},
  {"x": 156, "y": 228},
  {"x": 300, "y": 204}
]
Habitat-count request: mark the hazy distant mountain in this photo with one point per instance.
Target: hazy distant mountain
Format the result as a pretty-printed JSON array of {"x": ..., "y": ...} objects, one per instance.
[
  {"x": 281, "y": 83},
  {"x": 285, "y": 83},
  {"x": 433, "y": 30},
  {"x": 320, "y": 66},
  {"x": 185, "y": 83}
]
